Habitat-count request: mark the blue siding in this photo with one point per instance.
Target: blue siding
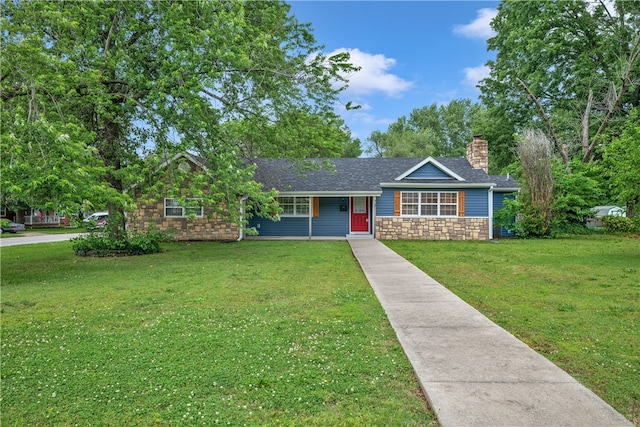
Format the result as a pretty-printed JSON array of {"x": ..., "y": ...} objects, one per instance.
[
  {"x": 332, "y": 221},
  {"x": 428, "y": 171},
  {"x": 384, "y": 204},
  {"x": 476, "y": 200},
  {"x": 498, "y": 202},
  {"x": 287, "y": 226}
]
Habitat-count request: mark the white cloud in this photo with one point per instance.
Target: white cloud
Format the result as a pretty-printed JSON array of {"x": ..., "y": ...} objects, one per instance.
[
  {"x": 473, "y": 75},
  {"x": 374, "y": 74},
  {"x": 480, "y": 27}
]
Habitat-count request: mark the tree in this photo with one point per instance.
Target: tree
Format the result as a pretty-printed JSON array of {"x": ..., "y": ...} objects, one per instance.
[
  {"x": 119, "y": 82},
  {"x": 568, "y": 67},
  {"x": 622, "y": 164},
  {"x": 298, "y": 133},
  {"x": 429, "y": 131}
]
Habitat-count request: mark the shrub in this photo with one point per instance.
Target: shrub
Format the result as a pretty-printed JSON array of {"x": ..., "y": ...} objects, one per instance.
[
  {"x": 620, "y": 224},
  {"x": 102, "y": 244}
]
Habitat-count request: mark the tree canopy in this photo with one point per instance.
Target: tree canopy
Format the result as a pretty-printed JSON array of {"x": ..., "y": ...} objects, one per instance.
[
  {"x": 570, "y": 68},
  {"x": 622, "y": 164},
  {"x": 435, "y": 130},
  {"x": 96, "y": 94}
]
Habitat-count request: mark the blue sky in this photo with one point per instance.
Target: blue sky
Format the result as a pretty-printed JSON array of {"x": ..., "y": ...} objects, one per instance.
[{"x": 412, "y": 53}]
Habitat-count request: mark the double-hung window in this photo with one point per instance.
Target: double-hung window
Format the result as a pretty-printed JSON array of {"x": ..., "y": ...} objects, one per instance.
[
  {"x": 174, "y": 209},
  {"x": 294, "y": 206},
  {"x": 429, "y": 203}
]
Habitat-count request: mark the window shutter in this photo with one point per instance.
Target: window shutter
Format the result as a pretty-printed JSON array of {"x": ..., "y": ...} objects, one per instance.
[
  {"x": 396, "y": 203},
  {"x": 316, "y": 206},
  {"x": 460, "y": 203}
]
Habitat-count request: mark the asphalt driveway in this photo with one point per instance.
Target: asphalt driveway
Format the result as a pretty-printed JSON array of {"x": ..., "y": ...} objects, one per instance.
[{"x": 32, "y": 238}]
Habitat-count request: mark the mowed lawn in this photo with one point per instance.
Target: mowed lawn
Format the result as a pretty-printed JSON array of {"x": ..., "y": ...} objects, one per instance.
[
  {"x": 249, "y": 333},
  {"x": 574, "y": 300}
]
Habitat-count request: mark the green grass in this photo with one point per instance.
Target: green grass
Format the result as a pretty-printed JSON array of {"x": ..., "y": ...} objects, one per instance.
[
  {"x": 250, "y": 333},
  {"x": 574, "y": 300}
]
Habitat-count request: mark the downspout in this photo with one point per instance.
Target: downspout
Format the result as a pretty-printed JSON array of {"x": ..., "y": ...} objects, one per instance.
[
  {"x": 491, "y": 213},
  {"x": 373, "y": 215},
  {"x": 310, "y": 217},
  {"x": 241, "y": 228}
]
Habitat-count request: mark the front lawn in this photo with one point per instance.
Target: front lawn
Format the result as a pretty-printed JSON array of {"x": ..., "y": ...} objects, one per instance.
[
  {"x": 574, "y": 300},
  {"x": 250, "y": 333}
]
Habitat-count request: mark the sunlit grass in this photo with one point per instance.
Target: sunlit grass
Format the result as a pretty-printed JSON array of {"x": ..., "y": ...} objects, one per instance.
[
  {"x": 250, "y": 333},
  {"x": 574, "y": 300}
]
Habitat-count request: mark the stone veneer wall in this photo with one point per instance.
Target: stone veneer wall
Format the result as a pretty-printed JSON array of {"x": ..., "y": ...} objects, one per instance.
[
  {"x": 206, "y": 228},
  {"x": 478, "y": 153},
  {"x": 399, "y": 228}
]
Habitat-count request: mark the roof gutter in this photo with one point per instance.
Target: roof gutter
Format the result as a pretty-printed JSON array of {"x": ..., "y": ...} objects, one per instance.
[
  {"x": 329, "y": 193},
  {"x": 436, "y": 185}
]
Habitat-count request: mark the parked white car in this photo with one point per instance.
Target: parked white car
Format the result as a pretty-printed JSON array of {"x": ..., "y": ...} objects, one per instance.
[{"x": 96, "y": 219}]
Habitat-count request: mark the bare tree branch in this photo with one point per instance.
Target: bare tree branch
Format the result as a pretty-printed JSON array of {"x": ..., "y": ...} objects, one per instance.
[
  {"x": 626, "y": 82},
  {"x": 552, "y": 133},
  {"x": 585, "y": 123}
]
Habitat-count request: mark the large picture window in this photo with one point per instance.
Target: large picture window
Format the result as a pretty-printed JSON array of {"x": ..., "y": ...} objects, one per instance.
[
  {"x": 174, "y": 209},
  {"x": 414, "y": 203},
  {"x": 294, "y": 206}
]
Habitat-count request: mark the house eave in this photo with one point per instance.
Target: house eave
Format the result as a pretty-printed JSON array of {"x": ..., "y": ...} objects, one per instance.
[
  {"x": 329, "y": 193},
  {"x": 507, "y": 190},
  {"x": 437, "y": 185}
]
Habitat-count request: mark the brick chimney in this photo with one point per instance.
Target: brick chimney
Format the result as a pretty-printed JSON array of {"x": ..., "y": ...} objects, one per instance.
[{"x": 478, "y": 153}]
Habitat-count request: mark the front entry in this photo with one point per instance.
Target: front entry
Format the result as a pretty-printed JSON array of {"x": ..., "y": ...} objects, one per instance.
[{"x": 359, "y": 214}]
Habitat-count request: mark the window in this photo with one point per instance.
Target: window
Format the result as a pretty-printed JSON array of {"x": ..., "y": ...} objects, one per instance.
[
  {"x": 429, "y": 203},
  {"x": 174, "y": 209},
  {"x": 294, "y": 206}
]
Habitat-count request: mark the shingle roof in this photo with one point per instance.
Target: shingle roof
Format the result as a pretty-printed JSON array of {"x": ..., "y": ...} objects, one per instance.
[{"x": 361, "y": 174}]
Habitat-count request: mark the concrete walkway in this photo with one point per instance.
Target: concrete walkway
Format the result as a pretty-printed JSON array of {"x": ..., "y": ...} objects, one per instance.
[{"x": 473, "y": 372}]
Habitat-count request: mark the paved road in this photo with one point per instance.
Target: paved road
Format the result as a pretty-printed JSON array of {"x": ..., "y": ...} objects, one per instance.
[{"x": 28, "y": 239}]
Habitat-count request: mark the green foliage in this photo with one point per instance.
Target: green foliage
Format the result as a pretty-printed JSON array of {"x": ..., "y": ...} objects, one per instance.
[
  {"x": 575, "y": 194},
  {"x": 620, "y": 224},
  {"x": 443, "y": 130},
  {"x": 530, "y": 221},
  {"x": 301, "y": 133},
  {"x": 96, "y": 87},
  {"x": 622, "y": 164},
  {"x": 563, "y": 51},
  {"x": 104, "y": 243}
]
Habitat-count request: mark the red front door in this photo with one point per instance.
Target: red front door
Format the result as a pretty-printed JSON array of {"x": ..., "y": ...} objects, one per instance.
[{"x": 359, "y": 214}]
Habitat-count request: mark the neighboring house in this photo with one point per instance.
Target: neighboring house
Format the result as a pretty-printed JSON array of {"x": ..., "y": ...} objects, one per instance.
[
  {"x": 384, "y": 198},
  {"x": 602, "y": 211},
  {"x": 35, "y": 217}
]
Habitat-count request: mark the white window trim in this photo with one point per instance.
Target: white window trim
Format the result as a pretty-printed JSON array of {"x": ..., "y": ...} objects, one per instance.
[
  {"x": 439, "y": 204},
  {"x": 298, "y": 201},
  {"x": 176, "y": 206}
]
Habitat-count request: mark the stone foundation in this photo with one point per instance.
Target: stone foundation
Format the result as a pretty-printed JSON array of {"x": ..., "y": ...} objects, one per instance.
[
  {"x": 399, "y": 228},
  {"x": 209, "y": 227}
]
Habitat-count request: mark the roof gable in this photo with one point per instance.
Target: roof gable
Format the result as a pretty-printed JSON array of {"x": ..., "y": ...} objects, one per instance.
[
  {"x": 198, "y": 161},
  {"x": 429, "y": 168}
]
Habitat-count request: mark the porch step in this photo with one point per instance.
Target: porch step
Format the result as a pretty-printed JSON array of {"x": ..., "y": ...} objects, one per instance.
[{"x": 359, "y": 236}]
